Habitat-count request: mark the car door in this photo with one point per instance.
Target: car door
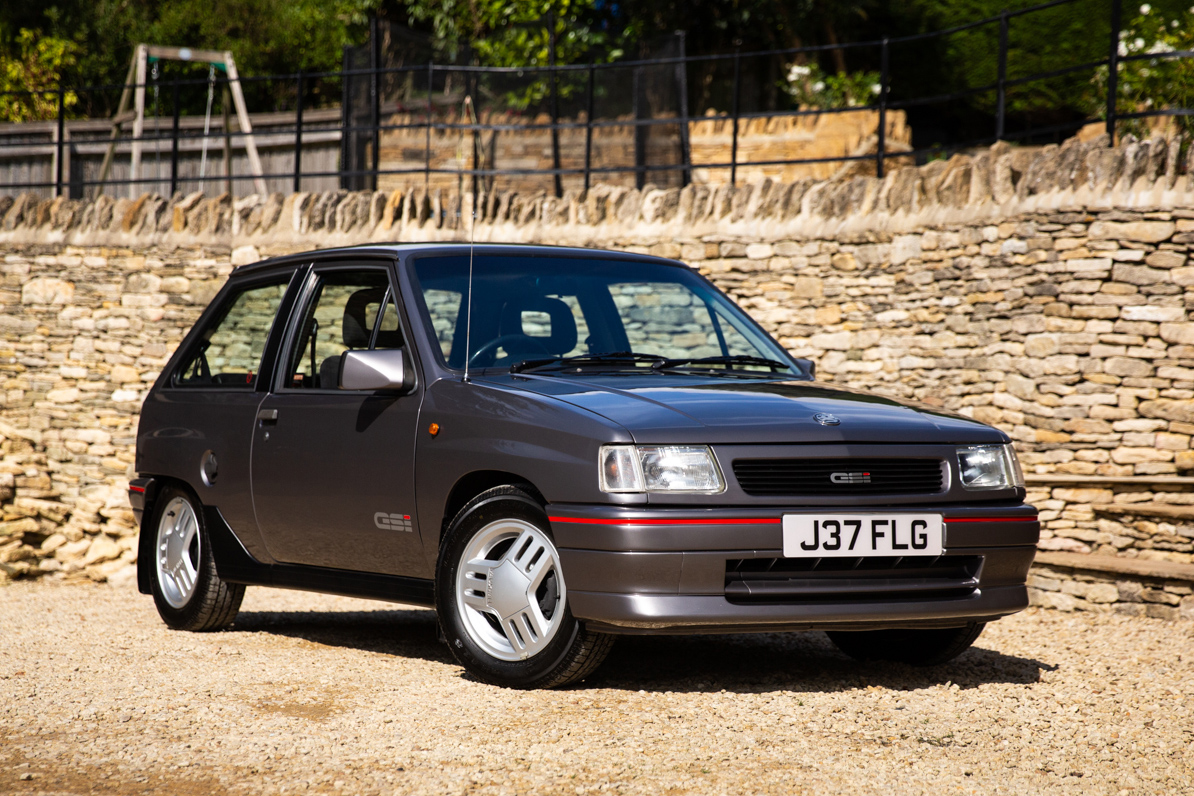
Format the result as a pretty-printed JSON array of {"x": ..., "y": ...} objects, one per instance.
[
  {"x": 202, "y": 414},
  {"x": 333, "y": 470}
]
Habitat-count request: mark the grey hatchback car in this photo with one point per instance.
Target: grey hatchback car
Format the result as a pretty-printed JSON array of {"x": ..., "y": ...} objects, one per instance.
[{"x": 552, "y": 447}]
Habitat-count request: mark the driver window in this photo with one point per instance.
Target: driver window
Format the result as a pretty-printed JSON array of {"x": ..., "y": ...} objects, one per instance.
[{"x": 348, "y": 310}]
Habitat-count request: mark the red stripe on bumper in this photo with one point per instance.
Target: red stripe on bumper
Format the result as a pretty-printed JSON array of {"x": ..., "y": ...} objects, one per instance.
[
  {"x": 620, "y": 521},
  {"x": 140, "y": 489},
  {"x": 745, "y": 520}
]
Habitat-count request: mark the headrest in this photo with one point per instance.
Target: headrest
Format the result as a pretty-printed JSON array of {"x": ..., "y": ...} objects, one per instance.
[
  {"x": 563, "y": 326},
  {"x": 356, "y": 327}
]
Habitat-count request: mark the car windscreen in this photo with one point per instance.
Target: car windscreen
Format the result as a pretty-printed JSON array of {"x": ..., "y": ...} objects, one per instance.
[{"x": 538, "y": 309}]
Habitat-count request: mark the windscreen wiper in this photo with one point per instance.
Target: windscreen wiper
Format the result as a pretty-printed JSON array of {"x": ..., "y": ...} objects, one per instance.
[
  {"x": 585, "y": 360},
  {"x": 731, "y": 361}
]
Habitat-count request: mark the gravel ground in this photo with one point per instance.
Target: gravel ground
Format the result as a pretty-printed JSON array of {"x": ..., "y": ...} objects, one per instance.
[{"x": 334, "y": 695}]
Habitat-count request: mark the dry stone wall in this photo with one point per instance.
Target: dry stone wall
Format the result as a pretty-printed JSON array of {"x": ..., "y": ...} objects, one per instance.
[{"x": 1048, "y": 291}]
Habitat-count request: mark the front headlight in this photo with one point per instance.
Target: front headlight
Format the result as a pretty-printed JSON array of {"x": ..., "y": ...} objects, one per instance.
[
  {"x": 659, "y": 468},
  {"x": 989, "y": 467}
]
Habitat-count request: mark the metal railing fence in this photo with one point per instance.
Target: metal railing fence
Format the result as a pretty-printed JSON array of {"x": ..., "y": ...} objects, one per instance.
[{"x": 650, "y": 98}]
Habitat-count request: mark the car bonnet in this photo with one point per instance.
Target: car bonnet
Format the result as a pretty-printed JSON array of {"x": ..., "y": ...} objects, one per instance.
[{"x": 664, "y": 408}]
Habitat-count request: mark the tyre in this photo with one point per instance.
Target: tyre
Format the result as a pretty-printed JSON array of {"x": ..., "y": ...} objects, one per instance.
[
  {"x": 502, "y": 600},
  {"x": 917, "y": 647},
  {"x": 187, "y": 590}
]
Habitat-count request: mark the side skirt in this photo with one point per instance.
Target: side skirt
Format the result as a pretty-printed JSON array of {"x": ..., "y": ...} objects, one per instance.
[{"x": 236, "y": 565}]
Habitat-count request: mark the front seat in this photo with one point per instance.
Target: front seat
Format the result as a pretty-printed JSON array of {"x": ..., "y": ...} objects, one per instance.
[{"x": 355, "y": 332}]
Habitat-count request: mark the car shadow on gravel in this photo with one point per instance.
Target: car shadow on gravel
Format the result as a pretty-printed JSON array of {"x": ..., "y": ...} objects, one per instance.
[
  {"x": 804, "y": 662},
  {"x": 410, "y": 634},
  {"x": 748, "y": 663}
]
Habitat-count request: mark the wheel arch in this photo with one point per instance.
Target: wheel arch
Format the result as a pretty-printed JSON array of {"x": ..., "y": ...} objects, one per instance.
[
  {"x": 470, "y": 485},
  {"x": 145, "y": 538}
]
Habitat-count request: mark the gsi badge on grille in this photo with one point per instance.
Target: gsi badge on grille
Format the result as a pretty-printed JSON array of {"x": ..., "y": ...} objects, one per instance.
[{"x": 850, "y": 478}]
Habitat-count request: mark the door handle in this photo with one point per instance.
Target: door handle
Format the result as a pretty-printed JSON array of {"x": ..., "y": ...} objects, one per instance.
[{"x": 267, "y": 415}]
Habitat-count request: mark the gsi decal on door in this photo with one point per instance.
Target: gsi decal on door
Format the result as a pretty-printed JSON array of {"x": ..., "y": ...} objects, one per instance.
[{"x": 392, "y": 522}]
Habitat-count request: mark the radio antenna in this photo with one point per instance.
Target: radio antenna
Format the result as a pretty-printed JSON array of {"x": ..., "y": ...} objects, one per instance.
[{"x": 472, "y": 237}]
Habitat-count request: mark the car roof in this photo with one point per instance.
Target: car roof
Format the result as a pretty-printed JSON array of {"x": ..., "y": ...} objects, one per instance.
[{"x": 445, "y": 247}]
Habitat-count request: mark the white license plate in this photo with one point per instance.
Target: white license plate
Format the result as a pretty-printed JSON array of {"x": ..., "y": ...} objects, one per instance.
[{"x": 860, "y": 535}]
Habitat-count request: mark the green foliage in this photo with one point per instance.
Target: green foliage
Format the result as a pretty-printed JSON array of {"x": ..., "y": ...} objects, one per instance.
[
  {"x": 1149, "y": 84},
  {"x": 723, "y": 25},
  {"x": 1042, "y": 41},
  {"x": 811, "y": 87},
  {"x": 502, "y": 33},
  {"x": 265, "y": 36},
  {"x": 33, "y": 62}
]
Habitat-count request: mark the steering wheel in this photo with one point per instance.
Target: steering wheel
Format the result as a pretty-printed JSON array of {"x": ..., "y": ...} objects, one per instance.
[{"x": 493, "y": 345}]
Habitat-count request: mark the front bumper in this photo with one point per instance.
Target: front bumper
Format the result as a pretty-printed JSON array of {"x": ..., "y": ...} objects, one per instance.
[{"x": 722, "y": 570}]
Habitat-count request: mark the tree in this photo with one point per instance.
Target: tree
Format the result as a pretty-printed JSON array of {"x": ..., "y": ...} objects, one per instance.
[
  {"x": 29, "y": 66},
  {"x": 265, "y": 36},
  {"x": 504, "y": 33},
  {"x": 1158, "y": 83}
]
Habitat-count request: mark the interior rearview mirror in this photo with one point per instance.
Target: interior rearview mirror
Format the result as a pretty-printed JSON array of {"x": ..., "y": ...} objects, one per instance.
[{"x": 385, "y": 369}]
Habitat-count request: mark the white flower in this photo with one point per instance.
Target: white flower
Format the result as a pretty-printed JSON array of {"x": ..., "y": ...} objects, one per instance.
[
  {"x": 876, "y": 88},
  {"x": 1138, "y": 44},
  {"x": 797, "y": 71},
  {"x": 819, "y": 85},
  {"x": 1123, "y": 49},
  {"x": 1144, "y": 9},
  {"x": 1160, "y": 47},
  {"x": 1173, "y": 24}
]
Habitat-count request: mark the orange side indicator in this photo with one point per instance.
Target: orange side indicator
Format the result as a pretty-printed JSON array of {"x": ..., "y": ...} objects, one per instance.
[{"x": 433, "y": 429}]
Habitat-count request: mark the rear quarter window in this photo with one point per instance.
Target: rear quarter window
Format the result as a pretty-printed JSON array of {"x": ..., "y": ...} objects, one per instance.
[{"x": 228, "y": 353}]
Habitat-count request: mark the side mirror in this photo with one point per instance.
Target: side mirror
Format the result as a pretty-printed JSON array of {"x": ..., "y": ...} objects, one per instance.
[
  {"x": 385, "y": 369},
  {"x": 808, "y": 365}
]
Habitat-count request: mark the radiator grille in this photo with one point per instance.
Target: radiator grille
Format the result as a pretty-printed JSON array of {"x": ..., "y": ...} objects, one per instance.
[{"x": 765, "y": 477}]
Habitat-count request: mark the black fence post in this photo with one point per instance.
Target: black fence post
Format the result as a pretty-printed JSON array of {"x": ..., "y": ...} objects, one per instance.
[
  {"x": 58, "y": 161},
  {"x": 884, "y": 80},
  {"x": 1001, "y": 81},
  {"x": 682, "y": 90},
  {"x": 427, "y": 160},
  {"x": 558, "y": 181},
  {"x": 298, "y": 133},
  {"x": 734, "y": 139},
  {"x": 346, "y": 131},
  {"x": 589, "y": 127},
  {"x": 1113, "y": 69},
  {"x": 641, "y": 132},
  {"x": 174, "y": 140},
  {"x": 375, "y": 96}
]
